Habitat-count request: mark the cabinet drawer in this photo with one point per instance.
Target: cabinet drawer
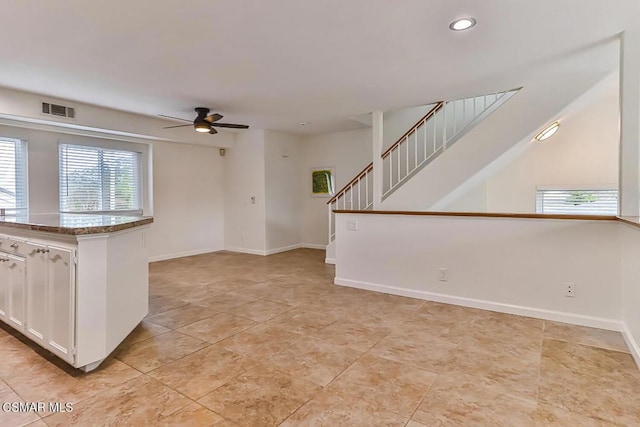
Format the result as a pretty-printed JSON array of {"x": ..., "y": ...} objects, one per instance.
[{"x": 13, "y": 246}]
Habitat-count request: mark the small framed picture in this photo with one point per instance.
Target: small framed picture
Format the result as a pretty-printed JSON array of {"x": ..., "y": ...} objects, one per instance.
[{"x": 322, "y": 182}]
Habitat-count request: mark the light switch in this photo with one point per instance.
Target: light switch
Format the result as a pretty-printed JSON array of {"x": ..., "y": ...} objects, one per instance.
[{"x": 352, "y": 224}]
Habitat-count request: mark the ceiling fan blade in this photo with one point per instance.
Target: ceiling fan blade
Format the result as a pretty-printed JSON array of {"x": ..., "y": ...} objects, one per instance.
[
  {"x": 176, "y": 118},
  {"x": 178, "y": 126},
  {"x": 213, "y": 117},
  {"x": 230, "y": 125},
  {"x": 212, "y": 131}
]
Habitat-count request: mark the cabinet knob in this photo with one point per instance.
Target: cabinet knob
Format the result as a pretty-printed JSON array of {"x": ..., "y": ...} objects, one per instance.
[
  {"x": 42, "y": 251},
  {"x": 4, "y": 259},
  {"x": 14, "y": 246}
]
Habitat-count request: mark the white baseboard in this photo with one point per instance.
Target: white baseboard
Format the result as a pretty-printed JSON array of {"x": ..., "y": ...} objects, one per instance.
[
  {"x": 276, "y": 250},
  {"x": 182, "y": 254},
  {"x": 313, "y": 246},
  {"x": 330, "y": 261},
  {"x": 246, "y": 251},
  {"x": 283, "y": 249},
  {"x": 631, "y": 343},
  {"x": 557, "y": 316}
]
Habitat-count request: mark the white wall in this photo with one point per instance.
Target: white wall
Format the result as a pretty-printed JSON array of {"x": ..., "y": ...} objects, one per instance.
[
  {"x": 24, "y": 107},
  {"x": 396, "y": 123},
  {"x": 188, "y": 200},
  {"x": 244, "y": 178},
  {"x": 630, "y": 249},
  {"x": 512, "y": 265},
  {"x": 515, "y": 121},
  {"x": 348, "y": 152},
  {"x": 187, "y": 188},
  {"x": 283, "y": 193},
  {"x": 583, "y": 152}
]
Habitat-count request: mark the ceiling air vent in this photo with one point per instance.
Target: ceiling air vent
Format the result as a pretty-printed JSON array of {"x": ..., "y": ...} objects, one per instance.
[{"x": 58, "y": 110}]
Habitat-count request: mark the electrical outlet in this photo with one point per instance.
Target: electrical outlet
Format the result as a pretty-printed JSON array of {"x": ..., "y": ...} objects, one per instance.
[
  {"x": 569, "y": 289},
  {"x": 442, "y": 275},
  {"x": 352, "y": 224}
]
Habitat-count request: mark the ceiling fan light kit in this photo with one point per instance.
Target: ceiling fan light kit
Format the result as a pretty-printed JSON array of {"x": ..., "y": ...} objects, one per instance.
[{"x": 205, "y": 122}]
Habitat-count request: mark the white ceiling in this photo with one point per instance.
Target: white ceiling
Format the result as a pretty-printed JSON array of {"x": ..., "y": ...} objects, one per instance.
[{"x": 274, "y": 63}]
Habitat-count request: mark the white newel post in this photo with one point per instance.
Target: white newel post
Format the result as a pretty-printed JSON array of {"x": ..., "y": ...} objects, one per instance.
[
  {"x": 377, "y": 140},
  {"x": 630, "y": 123}
]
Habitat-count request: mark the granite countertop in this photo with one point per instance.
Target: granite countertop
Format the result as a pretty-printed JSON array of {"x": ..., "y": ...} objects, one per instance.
[{"x": 74, "y": 224}]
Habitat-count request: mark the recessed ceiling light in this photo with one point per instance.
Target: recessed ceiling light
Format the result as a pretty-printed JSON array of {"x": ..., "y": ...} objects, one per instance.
[
  {"x": 548, "y": 131},
  {"x": 462, "y": 24}
]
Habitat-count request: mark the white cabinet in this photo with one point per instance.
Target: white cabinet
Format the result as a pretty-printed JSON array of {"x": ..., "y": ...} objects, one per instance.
[
  {"x": 61, "y": 302},
  {"x": 78, "y": 296},
  {"x": 37, "y": 294},
  {"x": 13, "y": 290}
]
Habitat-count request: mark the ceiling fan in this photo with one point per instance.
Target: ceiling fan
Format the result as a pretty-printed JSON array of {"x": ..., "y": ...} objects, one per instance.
[{"x": 205, "y": 122}]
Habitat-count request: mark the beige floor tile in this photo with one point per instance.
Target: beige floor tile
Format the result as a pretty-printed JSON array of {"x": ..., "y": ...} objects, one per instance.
[
  {"x": 611, "y": 340},
  {"x": 491, "y": 368},
  {"x": 599, "y": 383},
  {"x": 161, "y": 304},
  {"x": 159, "y": 350},
  {"x": 14, "y": 417},
  {"x": 260, "y": 397},
  {"x": 218, "y": 327},
  {"x": 182, "y": 316},
  {"x": 427, "y": 349},
  {"x": 203, "y": 371},
  {"x": 143, "y": 331},
  {"x": 391, "y": 386},
  {"x": 261, "y": 341},
  {"x": 194, "y": 415},
  {"x": 328, "y": 409},
  {"x": 260, "y": 311},
  {"x": 546, "y": 415},
  {"x": 314, "y": 360},
  {"x": 355, "y": 335},
  {"x": 142, "y": 401},
  {"x": 35, "y": 382},
  {"x": 456, "y": 401},
  {"x": 303, "y": 321},
  {"x": 225, "y": 302}
]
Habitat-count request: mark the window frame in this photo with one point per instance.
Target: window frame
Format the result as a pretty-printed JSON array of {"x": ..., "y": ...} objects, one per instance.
[
  {"x": 572, "y": 188},
  {"x": 142, "y": 150},
  {"x": 22, "y": 181}
]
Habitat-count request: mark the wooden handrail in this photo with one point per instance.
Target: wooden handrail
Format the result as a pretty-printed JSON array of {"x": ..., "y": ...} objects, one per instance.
[
  {"x": 413, "y": 128},
  {"x": 344, "y": 189},
  {"x": 488, "y": 215}
]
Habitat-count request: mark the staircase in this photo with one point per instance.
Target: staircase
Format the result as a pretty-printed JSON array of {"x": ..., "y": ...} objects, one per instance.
[{"x": 431, "y": 136}]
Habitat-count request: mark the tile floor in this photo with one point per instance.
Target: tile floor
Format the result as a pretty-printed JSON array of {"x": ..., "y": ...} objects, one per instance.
[{"x": 235, "y": 339}]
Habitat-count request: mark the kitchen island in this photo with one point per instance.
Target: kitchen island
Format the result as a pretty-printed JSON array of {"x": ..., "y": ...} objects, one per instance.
[{"x": 75, "y": 284}]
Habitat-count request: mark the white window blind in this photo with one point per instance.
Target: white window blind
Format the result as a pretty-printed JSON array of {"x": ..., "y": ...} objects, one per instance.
[
  {"x": 13, "y": 176},
  {"x": 577, "y": 202},
  {"x": 99, "y": 180}
]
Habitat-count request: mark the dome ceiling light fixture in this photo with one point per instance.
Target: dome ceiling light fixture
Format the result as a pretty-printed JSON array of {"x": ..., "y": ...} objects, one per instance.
[
  {"x": 548, "y": 132},
  {"x": 463, "y": 24}
]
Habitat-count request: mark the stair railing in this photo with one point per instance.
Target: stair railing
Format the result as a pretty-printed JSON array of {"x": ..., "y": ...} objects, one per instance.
[
  {"x": 431, "y": 136},
  {"x": 356, "y": 195}
]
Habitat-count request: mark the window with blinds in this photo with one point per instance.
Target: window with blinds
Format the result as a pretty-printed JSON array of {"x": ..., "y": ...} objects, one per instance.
[
  {"x": 13, "y": 176},
  {"x": 99, "y": 180},
  {"x": 577, "y": 202}
]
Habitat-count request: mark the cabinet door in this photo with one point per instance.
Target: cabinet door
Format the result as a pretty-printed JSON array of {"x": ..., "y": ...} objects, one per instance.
[
  {"x": 4, "y": 287},
  {"x": 61, "y": 302},
  {"x": 37, "y": 295},
  {"x": 17, "y": 291}
]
